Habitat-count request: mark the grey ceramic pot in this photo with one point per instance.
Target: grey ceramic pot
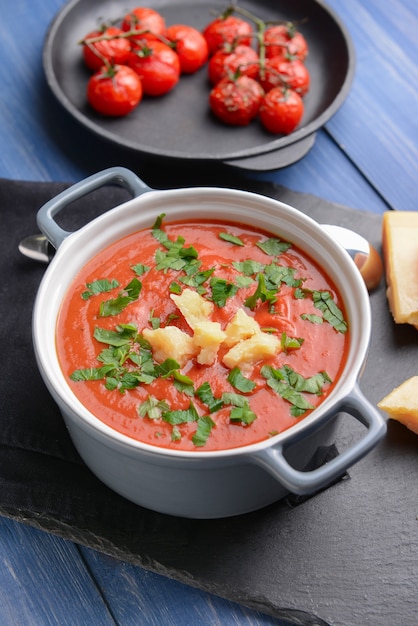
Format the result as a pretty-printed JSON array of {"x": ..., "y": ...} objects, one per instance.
[{"x": 202, "y": 484}]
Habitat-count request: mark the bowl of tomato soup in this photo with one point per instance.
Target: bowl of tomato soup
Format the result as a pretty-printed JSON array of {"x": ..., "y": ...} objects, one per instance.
[{"x": 200, "y": 344}]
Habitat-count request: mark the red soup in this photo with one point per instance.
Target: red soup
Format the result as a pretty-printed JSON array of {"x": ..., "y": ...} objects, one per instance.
[{"x": 201, "y": 335}]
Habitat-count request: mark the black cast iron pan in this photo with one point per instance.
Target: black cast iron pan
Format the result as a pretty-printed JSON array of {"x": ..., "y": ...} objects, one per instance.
[{"x": 180, "y": 125}]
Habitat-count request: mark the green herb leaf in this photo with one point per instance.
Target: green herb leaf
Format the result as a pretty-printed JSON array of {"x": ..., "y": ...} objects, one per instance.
[
  {"x": 152, "y": 408},
  {"x": 234, "y": 398},
  {"x": 324, "y": 301},
  {"x": 311, "y": 317},
  {"x": 167, "y": 368},
  {"x": 243, "y": 281},
  {"x": 290, "y": 343},
  {"x": 248, "y": 267},
  {"x": 261, "y": 293},
  {"x": 181, "y": 416},
  {"x": 273, "y": 246},
  {"x": 239, "y": 381},
  {"x": 91, "y": 373},
  {"x": 140, "y": 269},
  {"x": 204, "y": 428},
  {"x": 183, "y": 383},
  {"x": 128, "y": 295},
  {"x": 101, "y": 285},
  {"x": 196, "y": 279},
  {"x": 277, "y": 274},
  {"x": 205, "y": 394},
  {"x": 175, "y": 434},
  {"x": 123, "y": 334},
  {"x": 243, "y": 415},
  {"x": 231, "y": 239},
  {"x": 221, "y": 291},
  {"x": 290, "y": 385},
  {"x": 175, "y": 288}
]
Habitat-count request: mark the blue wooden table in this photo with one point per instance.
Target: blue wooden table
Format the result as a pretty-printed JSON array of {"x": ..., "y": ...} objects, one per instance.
[{"x": 365, "y": 158}]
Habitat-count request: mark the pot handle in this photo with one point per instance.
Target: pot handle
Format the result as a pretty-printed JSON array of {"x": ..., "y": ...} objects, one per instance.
[
  {"x": 120, "y": 176},
  {"x": 300, "y": 482}
]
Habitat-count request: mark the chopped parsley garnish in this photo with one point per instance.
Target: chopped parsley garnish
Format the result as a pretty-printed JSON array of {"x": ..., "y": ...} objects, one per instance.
[
  {"x": 273, "y": 246},
  {"x": 205, "y": 394},
  {"x": 324, "y": 302},
  {"x": 311, "y": 317},
  {"x": 222, "y": 290},
  {"x": 152, "y": 408},
  {"x": 102, "y": 285},
  {"x": 181, "y": 416},
  {"x": 290, "y": 386},
  {"x": 140, "y": 269},
  {"x": 261, "y": 293},
  {"x": 239, "y": 381},
  {"x": 175, "y": 256},
  {"x": 243, "y": 415},
  {"x": 290, "y": 343},
  {"x": 128, "y": 295},
  {"x": 248, "y": 267},
  {"x": 204, "y": 428},
  {"x": 231, "y": 239},
  {"x": 277, "y": 274}
]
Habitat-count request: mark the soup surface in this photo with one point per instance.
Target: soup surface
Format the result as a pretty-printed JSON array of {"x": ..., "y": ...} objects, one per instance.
[{"x": 201, "y": 335}]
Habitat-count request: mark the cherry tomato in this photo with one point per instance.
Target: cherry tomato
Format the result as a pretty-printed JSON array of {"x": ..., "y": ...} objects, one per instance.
[
  {"x": 236, "y": 101},
  {"x": 230, "y": 59},
  {"x": 115, "y": 50},
  {"x": 144, "y": 19},
  {"x": 158, "y": 67},
  {"x": 227, "y": 29},
  {"x": 285, "y": 40},
  {"x": 190, "y": 46},
  {"x": 114, "y": 91},
  {"x": 281, "y": 110},
  {"x": 289, "y": 73}
]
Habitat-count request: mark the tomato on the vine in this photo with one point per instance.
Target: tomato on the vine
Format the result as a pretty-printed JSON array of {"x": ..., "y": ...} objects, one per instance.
[
  {"x": 285, "y": 40},
  {"x": 231, "y": 59},
  {"x": 190, "y": 46},
  {"x": 112, "y": 48},
  {"x": 157, "y": 65},
  {"x": 236, "y": 101},
  {"x": 114, "y": 90},
  {"x": 227, "y": 29},
  {"x": 288, "y": 73},
  {"x": 281, "y": 110},
  {"x": 146, "y": 20}
]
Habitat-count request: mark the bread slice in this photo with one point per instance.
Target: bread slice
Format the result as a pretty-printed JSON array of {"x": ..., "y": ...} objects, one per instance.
[
  {"x": 401, "y": 404},
  {"x": 400, "y": 254}
]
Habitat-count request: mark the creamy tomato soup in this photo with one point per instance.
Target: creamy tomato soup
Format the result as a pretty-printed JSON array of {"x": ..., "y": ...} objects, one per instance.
[{"x": 201, "y": 335}]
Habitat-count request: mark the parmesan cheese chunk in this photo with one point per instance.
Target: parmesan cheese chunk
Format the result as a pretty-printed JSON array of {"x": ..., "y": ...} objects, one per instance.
[
  {"x": 193, "y": 306},
  {"x": 208, "y": 336},
  {"x": 247, "y": 352},
  {"x": 171, "y": 343},
  {"x": 400, "y": 252},
  {"x": 242, "y": 326},
  {"x": 401, "y": 404}
]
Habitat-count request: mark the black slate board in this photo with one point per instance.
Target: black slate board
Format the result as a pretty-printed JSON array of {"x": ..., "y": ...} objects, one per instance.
[{"x": 346, "y": 557}]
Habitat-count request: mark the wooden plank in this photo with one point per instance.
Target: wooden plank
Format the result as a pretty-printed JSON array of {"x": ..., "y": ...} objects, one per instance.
[
  {"x": 377, "y": 126},
  {"x": 44, "y": 581},
  {"x": 327, "y": 173},
  {"x": 131, "y": 590}
]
